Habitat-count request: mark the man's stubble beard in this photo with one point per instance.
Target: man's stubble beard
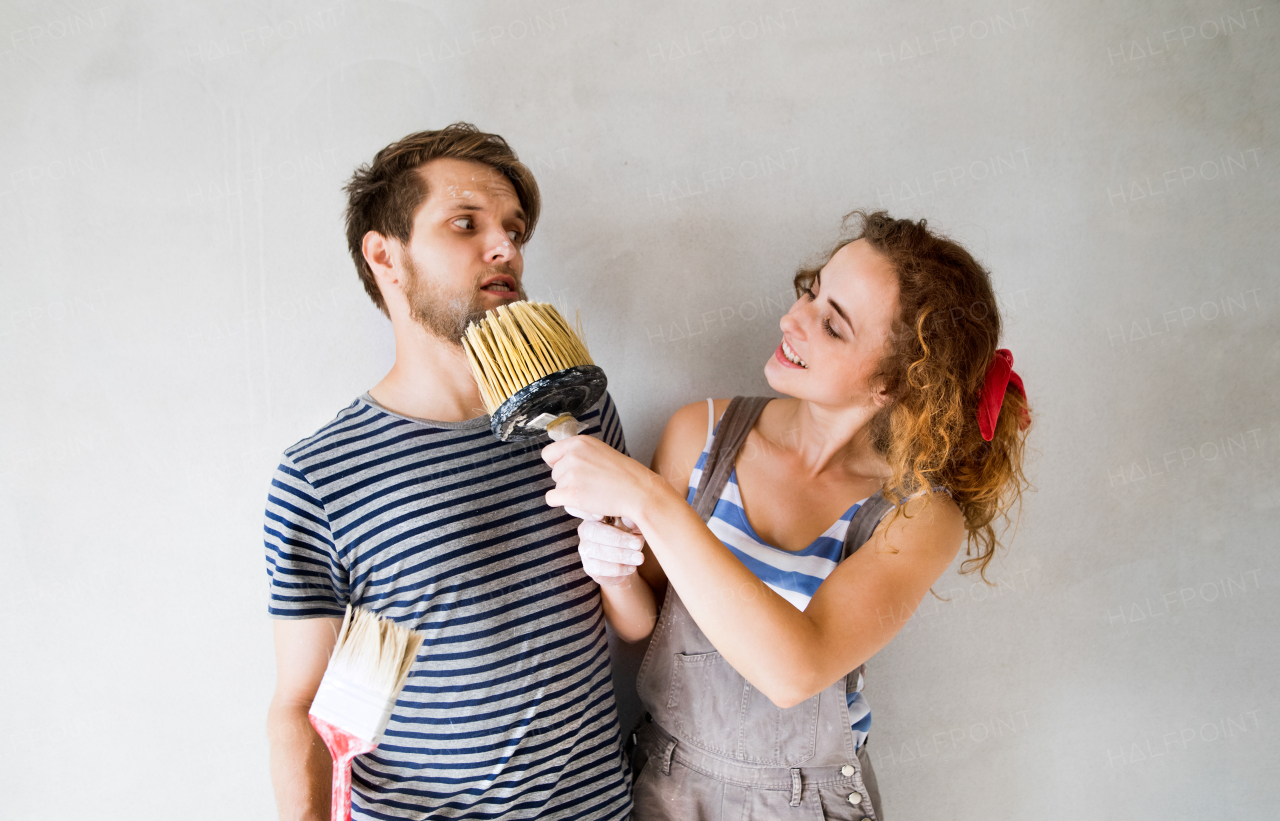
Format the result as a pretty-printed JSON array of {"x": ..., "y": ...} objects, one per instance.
[{"x": 446, "y": 315}]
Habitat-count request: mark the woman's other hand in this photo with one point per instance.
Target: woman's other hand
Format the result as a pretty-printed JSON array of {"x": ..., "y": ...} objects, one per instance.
[{"x": 610, "y": 553}]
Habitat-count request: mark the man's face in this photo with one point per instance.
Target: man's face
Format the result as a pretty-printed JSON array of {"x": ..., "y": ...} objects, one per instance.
[{"x": 464, "y": 255}]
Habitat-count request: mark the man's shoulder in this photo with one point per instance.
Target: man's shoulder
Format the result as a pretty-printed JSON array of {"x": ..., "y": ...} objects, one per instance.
[
  {"x": 353, "y": 421},
  {"x": 365, "y": 441}
]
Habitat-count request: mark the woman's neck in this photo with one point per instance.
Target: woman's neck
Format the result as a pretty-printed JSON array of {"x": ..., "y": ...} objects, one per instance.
[{"x": 823, "y": 438}]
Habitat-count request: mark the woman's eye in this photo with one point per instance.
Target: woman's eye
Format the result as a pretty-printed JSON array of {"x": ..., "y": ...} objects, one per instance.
[
  {"x": 469, "y": 222},
  {"x": 826, "y": 326}
]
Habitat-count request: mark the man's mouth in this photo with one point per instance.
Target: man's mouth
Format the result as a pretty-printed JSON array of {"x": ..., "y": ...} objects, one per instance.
[{"x": 500, "y": 285}]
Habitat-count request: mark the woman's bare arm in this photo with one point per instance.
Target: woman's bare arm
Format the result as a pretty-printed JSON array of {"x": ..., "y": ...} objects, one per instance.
[
  {"x": 632, "y": 605},
  {"x": 787, "y": 654}
]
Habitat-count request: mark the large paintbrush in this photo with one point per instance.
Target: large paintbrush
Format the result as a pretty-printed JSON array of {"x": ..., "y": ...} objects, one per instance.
[{"x": 534, "y": 373}]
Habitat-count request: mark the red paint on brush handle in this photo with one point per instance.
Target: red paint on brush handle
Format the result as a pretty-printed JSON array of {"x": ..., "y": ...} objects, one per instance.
[{"x": 342, "y": 748}]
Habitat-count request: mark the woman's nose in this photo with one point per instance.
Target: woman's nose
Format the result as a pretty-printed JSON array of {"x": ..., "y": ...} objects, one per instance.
[{"x": 790, "y": 322}]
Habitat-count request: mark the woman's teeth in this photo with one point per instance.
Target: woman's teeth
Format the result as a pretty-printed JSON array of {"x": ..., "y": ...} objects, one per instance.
[{"x": 792, "y": 356}]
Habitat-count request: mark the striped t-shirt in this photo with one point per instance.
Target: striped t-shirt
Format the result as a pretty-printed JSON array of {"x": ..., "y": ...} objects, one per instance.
[
  {"x": 509, "y": 708},
  {"x": 792, "y": 574}
]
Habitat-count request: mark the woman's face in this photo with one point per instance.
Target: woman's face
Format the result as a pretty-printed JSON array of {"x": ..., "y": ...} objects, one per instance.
[{"x": 838, "y": 332}]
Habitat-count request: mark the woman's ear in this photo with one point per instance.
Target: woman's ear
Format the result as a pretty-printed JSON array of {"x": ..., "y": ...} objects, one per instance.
[
  {"x": 878, "y": 385},
  {"x": 880, "y": 394}
]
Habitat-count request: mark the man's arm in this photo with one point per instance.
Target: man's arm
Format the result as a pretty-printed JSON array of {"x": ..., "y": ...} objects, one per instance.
[{"x": 301, "y": 769}]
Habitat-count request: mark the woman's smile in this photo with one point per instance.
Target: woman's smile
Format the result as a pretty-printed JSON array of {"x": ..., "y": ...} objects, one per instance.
[{"x": 788, "y": 356}]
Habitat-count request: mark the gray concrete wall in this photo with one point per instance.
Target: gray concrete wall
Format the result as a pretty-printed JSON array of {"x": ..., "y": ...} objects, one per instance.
[{"x": 177, "y": 306}]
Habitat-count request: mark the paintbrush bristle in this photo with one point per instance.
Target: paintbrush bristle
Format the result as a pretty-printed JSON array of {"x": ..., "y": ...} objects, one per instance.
[
  {"x": 374, "y": 651},
  {"x": 518, "y": 344},
  {"x": 366, "y": 672}
]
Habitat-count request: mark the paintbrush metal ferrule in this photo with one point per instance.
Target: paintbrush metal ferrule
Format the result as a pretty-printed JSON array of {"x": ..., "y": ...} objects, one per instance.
[{"x": 359, "y": 708}]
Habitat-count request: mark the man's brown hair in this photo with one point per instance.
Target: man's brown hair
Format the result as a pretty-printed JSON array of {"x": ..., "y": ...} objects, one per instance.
[{"x": 383, "y": 195}]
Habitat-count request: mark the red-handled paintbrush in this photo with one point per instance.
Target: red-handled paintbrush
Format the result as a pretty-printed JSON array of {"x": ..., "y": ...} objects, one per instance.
[{"x": 353, "y": 705}]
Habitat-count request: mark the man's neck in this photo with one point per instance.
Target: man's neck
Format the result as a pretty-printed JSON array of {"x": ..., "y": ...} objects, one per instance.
[{"x": 429, "y": 380}]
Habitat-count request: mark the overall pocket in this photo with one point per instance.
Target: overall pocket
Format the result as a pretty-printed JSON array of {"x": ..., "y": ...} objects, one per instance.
[{"x": 718, "y": 710}]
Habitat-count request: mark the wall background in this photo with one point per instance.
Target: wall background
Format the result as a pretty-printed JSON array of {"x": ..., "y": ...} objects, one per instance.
[{"x": 177, "y": 307}]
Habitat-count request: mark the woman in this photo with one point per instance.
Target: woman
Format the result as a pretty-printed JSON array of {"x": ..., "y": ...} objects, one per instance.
[{"x": 897, "y": 428}]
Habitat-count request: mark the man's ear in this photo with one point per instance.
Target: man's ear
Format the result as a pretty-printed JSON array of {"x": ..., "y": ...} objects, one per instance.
[{"x": 379, "y": 253}]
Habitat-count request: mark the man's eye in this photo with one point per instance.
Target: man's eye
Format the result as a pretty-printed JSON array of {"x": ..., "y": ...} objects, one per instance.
[
  {"x": 809, "y": 293},
  {"x": 514, "y": 235},
  {"x": 469, "y": 222}
]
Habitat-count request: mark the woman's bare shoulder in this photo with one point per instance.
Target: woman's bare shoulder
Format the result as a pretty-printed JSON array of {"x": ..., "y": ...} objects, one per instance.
[
  {"x": 690, "y": 421},
  {"x": 683, "y": 440},
  {"x": 930, "y": 525}
]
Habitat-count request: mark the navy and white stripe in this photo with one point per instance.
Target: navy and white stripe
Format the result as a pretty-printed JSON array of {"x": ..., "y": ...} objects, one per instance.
[
  {"x": 509, "y": 709},
  {"x": 793, "y": 575}
]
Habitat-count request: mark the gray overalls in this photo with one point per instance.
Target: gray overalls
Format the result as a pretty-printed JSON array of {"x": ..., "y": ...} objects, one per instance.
[{"x": 711, "y": 746}]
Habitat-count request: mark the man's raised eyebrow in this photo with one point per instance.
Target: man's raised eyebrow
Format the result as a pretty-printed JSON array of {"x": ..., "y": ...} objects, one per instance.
[{"x": 468, "y": 205}]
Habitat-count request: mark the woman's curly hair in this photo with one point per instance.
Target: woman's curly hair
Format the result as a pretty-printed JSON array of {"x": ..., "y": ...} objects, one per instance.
[{"x": 942, "y": 342}]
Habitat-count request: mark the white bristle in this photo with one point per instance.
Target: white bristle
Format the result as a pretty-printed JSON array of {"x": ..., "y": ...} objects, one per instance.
[{"x": 366, "y": 672}]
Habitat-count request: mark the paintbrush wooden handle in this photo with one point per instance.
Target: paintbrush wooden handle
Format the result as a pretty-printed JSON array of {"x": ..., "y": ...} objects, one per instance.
[
  {"x": 563, "y": 428},
  {"x": 343, "y": 747}
]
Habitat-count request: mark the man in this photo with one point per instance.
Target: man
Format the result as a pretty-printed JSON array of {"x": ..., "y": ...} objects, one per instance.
[{"x": 407, "y": 505}]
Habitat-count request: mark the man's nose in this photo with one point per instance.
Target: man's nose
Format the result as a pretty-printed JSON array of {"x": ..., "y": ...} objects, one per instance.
[{"x": 500, "y": 248}]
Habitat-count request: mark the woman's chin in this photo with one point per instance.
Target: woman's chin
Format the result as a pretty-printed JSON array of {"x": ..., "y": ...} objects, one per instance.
[
  {"x": 784, "y": 380},
  {"x": 777, "y": 377}
]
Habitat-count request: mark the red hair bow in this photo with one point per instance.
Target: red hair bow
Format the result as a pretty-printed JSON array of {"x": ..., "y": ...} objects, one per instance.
[{"x": 1000, "y": 376}]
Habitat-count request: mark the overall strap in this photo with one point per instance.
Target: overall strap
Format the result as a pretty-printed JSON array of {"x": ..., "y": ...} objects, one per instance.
[
  {"x": 736, "y": 423},
  {"x": 864, "y": 523},
  {"x": 738, "y": 419},
  {"x": 861, "y": 526}
]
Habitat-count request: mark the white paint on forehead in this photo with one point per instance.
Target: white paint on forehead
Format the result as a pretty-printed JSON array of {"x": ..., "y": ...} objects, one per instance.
[
  {"x": 493, "y": 189},
  {"x": 473, "y": 183}
]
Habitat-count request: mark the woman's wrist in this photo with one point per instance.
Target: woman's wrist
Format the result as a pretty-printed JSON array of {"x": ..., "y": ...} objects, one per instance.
[{"x": 655, "y": 504}]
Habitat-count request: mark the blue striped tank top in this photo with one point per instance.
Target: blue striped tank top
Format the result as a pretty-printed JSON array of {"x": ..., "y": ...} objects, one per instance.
[{"x": 793, "y": 575}]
